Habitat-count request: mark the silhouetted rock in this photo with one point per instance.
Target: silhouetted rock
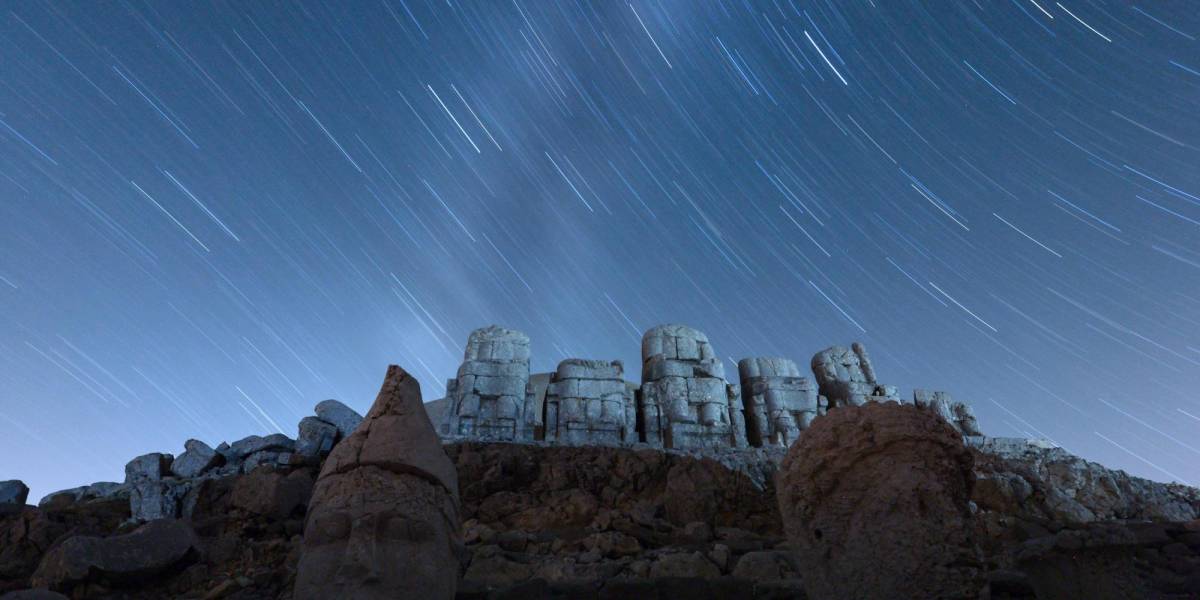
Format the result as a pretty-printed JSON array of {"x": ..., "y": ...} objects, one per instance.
[
  {"x": 13, "y": 492},
  {"x": 875, "y": 500}
]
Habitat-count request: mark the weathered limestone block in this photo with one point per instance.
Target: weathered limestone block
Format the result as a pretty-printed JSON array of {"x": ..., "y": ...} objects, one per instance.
[
  {"x": 847, "y": 378},
  {"x": 779, "y": 402},
  {"x": 587, "y": 402},
  {"x": 384, "y": 521},
  {"x": 153, "y": 492},
  {"x": 161, "y": 499},
  {"x": 315, "y": 437},
  {"x": 491, "y": 397},
  {"x": 875, "y": 501},
  {"x": 152, "y": 467},
  {"x": 684, "y": 400},
  {"x": 958, "y": 414},
  {"x": 339, "y": 415}
]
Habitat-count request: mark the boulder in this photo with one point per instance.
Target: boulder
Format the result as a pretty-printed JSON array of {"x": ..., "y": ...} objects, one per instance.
[
  {"x": 197, "y": 458},
  {"x": 273, "y": 494},
  {"x": 690, "y": 565},
  {"x": 13, "y": 492},
  {"x": 315, "y": 438},
  {"x": 765, "y": 565},
  {"x": 130, "y": 558},
  {"x": 98, "y": 490},
  {"x": 62, "y": 498},
  {"x": 875, "y": 500},
  {"x": 148, "y": 467},
  {"x": 254, "y": 443},
  {"x": 339, "y": 415}
]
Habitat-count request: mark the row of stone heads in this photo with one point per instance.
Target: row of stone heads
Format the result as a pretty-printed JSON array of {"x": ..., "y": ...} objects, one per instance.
[{"x": 683, "y": 400}]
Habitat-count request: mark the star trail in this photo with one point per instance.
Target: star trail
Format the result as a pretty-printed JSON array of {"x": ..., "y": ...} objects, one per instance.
[{"x": 214, "y": 215}]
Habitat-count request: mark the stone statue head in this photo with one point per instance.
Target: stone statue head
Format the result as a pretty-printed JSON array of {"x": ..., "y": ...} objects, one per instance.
[{"x": 384, "y": 520}]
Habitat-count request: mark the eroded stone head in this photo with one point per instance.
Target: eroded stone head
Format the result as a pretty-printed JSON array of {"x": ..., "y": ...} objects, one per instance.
[{"x": 384, "y": 520}]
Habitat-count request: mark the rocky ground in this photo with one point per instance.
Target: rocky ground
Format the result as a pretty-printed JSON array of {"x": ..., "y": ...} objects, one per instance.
[{"x": 603, "y": 522}]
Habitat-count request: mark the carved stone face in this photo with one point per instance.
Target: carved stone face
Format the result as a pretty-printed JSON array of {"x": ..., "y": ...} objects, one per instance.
[{"x": 371, "y": 533}]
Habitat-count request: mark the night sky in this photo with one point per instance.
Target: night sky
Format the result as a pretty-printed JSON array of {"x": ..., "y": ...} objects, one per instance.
[{"x": 215, "y": 215}]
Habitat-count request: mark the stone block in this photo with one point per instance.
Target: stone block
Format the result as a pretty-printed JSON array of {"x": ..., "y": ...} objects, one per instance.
[{"x": 197, "y": 458}]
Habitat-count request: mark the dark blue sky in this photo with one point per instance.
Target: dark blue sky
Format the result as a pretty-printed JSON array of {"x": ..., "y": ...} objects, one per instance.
[{"x": 215, "y": 215}]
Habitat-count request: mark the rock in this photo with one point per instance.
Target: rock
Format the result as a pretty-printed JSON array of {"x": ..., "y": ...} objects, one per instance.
[
  {"x": 197, "y": 458},
  {"x": 315, "y": 438},
  {"x": 957, "y": 414},
  {"x": 339, "y": 415},
  {"x": 873, "y": 495},
  {"x": 150, "y": 500},
  {"x": 62, "y": 498},
  {"x": 148, "y": 467},
  {"x": 1037, "y": 480},
  {"x": 251, "y": 444},
  {"x": 265, "y": 457},
  {"x": 13, "y": 492},
  {"x": 148, "y": 550},
  {"x": 98, "y": 490},
  {"x": 273, "y": 494},
  {"x": 693, "y": 565},
  {"x": 33, "y": 595},
  {"x": 765, "y": 565},
  {"x": 384, "y": 515},
  {"x": 496, "y": 571}
]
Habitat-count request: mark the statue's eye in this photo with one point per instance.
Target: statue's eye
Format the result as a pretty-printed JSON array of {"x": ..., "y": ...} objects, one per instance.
[
  {"x": 403, "y": 528},
  {"x": 330, "y": 528}
]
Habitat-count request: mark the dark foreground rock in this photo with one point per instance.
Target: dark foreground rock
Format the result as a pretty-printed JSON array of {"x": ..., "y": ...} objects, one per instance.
[
  {"x": 132, "y": 558},
  {"x": 608, "y": 522},
  {"x": 875, "y": 500}
]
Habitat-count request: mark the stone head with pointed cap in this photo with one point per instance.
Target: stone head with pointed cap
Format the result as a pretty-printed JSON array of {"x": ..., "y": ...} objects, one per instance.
[{"x": 384, "y": 520}]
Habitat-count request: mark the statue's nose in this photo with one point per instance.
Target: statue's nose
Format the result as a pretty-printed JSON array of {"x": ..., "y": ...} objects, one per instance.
[{"x": 359, "y": 563}]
